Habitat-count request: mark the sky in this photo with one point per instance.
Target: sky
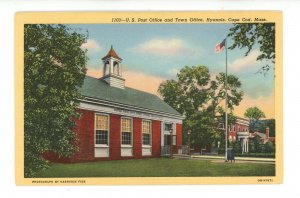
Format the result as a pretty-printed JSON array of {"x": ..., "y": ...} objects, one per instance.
[{"x": 153, "y": 53}]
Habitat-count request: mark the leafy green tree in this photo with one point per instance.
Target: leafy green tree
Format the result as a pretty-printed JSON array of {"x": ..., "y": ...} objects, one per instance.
[
  {"x": 237, "y": 147},
  {"x": 269, "y": 147},
  {"x": 254, "y": 114},
  {"x": 198, "y": 97},
  {"x": 54, "y": 68},
  {"x": 257, "y": 144},
  {"x": 268, "y": 123},
  {"x": 261, "y": 148},
  {"x": 247, "y": 35},
  {"x": 252, "y": 146}
]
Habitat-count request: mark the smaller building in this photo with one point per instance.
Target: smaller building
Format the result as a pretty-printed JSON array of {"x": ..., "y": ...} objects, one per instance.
[
  {"x": 238, "y": 132},
  {"x": 264, "y": 137}
]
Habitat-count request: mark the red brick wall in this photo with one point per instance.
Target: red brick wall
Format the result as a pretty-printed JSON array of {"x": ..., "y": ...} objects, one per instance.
[
  {"x": 85, "y": 134},
  {"x": 115, "y": 137},
  {"x": 179, "y": 135},
  {"x": 156, "y": 127},
  {"x": 137, "y": 137}
]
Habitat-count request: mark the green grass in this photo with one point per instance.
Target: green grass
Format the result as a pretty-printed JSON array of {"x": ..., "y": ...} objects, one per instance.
[{"x": 160, "y": 167}]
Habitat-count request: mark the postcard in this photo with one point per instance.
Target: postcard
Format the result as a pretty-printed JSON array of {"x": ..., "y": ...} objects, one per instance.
[{"x": 147, "y": 98}]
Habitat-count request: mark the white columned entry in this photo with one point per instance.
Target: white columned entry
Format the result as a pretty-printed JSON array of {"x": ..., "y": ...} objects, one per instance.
[
  {"x": 244, "y": 148},
  {"x": 244, "y": 139}
]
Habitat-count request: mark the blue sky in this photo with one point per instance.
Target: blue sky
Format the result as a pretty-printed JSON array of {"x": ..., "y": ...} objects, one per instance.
[{"x": 161, "y": 50}]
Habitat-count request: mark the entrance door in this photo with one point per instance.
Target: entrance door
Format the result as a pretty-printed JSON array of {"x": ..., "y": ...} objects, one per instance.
[{"x": 167, "y": 140}]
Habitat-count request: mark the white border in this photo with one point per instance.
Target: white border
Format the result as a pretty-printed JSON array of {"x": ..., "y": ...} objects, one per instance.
[{"x": 291, "y": 97}]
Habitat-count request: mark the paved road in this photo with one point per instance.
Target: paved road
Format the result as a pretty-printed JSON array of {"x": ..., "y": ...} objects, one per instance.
[{"x": 220, "y": 159}]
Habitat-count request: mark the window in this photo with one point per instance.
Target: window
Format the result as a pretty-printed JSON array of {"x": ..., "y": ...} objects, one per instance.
[
  {"x": 146, "y": 131},
  {"x": 167, "y": 140},
  {"x": 168, "y": 126},
  {"x": 174, "y": 140},
  {"x": 126, "y": 131},
  {"x": 167, "y": 137},
  {"x": 101, "y": 136},
  {"x": 116, "y": 68},
  {"x": 106, "y": 68}
]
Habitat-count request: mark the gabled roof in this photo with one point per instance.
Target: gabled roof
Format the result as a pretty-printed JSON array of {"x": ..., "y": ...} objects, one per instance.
[
  {"x": 111, "y": 53},
  {"x": 99, "y": 89},
  {"x": 261, "y": 135}
]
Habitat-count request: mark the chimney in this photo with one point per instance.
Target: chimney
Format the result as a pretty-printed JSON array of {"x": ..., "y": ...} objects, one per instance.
[{"x": 267, "y": 133}]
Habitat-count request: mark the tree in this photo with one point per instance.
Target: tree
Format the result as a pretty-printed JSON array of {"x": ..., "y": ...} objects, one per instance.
[
  {"x": 254, "y": 114},
  {"x": 198, "y": 97},
  {"x": 54, "y": 68},
  {"x": 247, "y": 35},
  {"x": 253, "y": 144},
  {"x": 268, "y": 123},
  {"x": 269, "y": 147},
  {"x": 237, "y": 147}
]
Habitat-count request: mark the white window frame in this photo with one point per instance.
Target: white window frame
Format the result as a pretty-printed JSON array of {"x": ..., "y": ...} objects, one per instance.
[
  {"x": 147, "y": 149},
  {"x": 131, "y": 141},
  {"x": 147, "y": 145},
  {"x": 167, "y": 132},
  {"x": 108, "y": 130}
]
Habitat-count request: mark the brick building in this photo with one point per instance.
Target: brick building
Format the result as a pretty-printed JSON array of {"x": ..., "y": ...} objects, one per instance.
[
  {"x": 119, "y": 122},
  {"x": 238, "y": 131}
]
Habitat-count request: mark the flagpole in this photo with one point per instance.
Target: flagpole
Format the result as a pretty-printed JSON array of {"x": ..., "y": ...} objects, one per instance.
[{"x": 226, "y": 101}]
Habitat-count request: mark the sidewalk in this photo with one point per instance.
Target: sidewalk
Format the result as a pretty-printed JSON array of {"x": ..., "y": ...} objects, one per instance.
[{"x": 245, "y": 159}]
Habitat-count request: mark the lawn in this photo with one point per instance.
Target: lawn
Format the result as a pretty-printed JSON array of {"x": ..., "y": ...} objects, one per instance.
[{"x": 159, "y": 167}]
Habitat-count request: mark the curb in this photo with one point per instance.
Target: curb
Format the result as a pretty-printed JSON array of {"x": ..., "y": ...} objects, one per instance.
[{"x": 236, "y": 158}]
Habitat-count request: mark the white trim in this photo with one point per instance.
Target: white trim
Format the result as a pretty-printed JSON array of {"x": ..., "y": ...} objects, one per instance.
[
  {"x": 173, "y": 127},
  {"x": 101, "y": 151},
  {"x": 146, "y": 146},
  {"x": 101, "y": 146},
  {"x": 126, "y": 150},
  {"x": 131, "y": 141},
  {"x": 108, "y": 129},
  {"x": 146, "y": 120},
  {"x": 164, "y": 132},
  {"x": 103, "y": 108},
  {"x": 147, "y": 149},
  {"x": 130, "y": 107},
  {"x": 126, "y": 146},
  {"x": 97, "y": 147},
  {"x": 242, "y": 122}
]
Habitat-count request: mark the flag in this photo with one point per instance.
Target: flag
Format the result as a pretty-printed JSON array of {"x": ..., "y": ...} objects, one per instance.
[{"x": 220, "y": 46}]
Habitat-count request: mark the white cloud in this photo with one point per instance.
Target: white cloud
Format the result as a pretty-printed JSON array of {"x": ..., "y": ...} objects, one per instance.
[
  {"x": 245, "y": 62},
  {"x": 91, "y": 45},
  {"x": 165, "y": 47},
  {"x": 173, "y": 71}
]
